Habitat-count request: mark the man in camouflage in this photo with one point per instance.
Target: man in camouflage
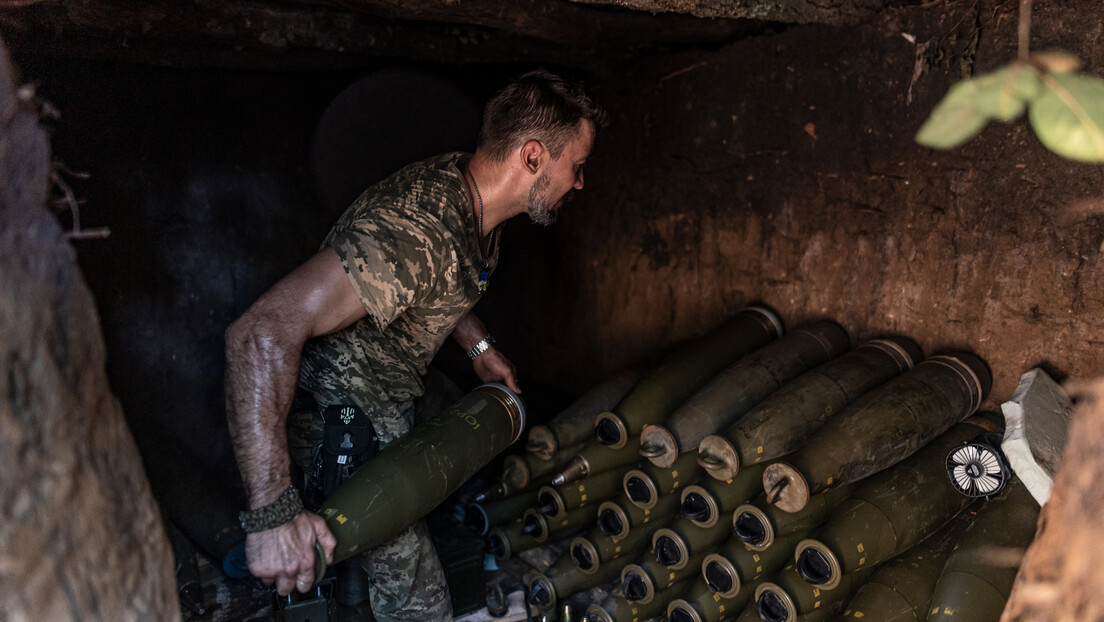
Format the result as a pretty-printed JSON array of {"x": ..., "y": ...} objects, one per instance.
[{"x": 359, "y": 322}]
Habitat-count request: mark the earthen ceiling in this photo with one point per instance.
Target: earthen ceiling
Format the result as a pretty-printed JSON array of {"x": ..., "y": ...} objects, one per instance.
[{"x": 315, "y": 32}]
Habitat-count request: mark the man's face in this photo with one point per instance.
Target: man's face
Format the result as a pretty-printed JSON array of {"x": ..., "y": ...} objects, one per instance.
[{"x": 554, "y": 186}]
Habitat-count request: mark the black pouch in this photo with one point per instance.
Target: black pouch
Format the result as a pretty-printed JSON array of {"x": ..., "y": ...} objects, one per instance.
[{"x": 349, "y": 441}]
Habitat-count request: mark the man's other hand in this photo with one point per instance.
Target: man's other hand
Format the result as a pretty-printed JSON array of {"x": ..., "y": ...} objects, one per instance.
[
  {"x": 491, "y": 366},
  {"x": 284, "y": 555}
]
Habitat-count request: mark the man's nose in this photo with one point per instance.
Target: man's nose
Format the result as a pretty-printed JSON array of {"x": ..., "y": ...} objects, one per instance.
[{"x": 579, "y": 180}]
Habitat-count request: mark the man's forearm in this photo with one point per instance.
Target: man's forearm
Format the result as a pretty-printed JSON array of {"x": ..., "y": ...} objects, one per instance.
[
  {"x": 262, "y": 365},
  {"x": 469, "y": 331},
  {"x": 261, "y": 374}
]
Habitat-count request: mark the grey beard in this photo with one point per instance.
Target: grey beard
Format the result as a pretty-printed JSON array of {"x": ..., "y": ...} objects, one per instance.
[
  {"x": 539, "y": 214},
  {"x": 540, "y": 211}
]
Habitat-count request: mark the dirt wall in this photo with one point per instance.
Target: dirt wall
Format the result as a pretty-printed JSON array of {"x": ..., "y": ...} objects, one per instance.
[
  {"x": 80, "y": 534},
  {"x": 783, "y": 170}
]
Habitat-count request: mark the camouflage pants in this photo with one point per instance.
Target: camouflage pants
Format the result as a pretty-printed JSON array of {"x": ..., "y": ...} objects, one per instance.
[{"x": 406, "y": 579}]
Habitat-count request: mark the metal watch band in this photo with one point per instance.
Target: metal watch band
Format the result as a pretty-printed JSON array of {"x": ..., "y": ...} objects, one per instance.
[
  {"x": 270, "y": 516},
  {"x": 480, "y": 347}
]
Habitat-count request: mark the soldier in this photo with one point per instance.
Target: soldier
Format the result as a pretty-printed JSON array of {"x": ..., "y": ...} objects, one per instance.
[{"x": 359, "y": 322}]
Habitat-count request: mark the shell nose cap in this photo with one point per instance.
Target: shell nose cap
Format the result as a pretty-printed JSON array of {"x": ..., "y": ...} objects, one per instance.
[
  {"x": 638, "y": 490},
  {"x": 814, "y": 567},
  {"x": 610, "y": 523},
  {"x": 770, "y": 607},
  {"x": 718, "y": 578},
  {"x": 667, "y": 551},
  {"x": 695, "y": 507},
  {"x": 606, "y": 432},
  {"x": 582, "y": 557},
  {"x": 634, "y": 588},
  {"x": 496, "y": 546},
  {"x": 749, "y": 529},
  {"x": 539, "y": 595}
]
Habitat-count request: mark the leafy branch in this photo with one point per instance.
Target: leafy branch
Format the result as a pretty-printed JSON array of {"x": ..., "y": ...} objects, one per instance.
[{"x": 1065, "y": 107}]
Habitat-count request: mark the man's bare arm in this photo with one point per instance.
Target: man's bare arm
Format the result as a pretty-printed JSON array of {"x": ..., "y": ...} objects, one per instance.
[
  {"x": 263, "y": 347},
  {"x": 491, "y": 365}
]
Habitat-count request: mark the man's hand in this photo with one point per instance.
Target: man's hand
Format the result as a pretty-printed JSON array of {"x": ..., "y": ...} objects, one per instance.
[
  {"x": 492, "y": 366},
  {"x": 284, "y": 555}
]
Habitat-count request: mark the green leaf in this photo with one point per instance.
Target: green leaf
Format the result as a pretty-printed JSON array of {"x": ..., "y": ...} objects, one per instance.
[
  {"x": 1025, "y": 82},
  {"x": 1068, "y": 116},
  {"x": 970, "y": 104},
  {"x": 1004, "y": 94},
  {"x": 955, "y": 120}
]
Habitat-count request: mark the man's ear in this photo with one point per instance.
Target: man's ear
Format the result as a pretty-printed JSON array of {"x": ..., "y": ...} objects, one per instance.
[{"x": 532, "y": 156}]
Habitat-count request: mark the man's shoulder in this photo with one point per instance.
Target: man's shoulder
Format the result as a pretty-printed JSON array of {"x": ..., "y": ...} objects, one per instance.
[
  {"x": 429, "y": 193},
  {"x": 445, "y": 165},
  {"x": 433, "y": 187},
  {"x": 426, "y": 200},
  {"x": 438, "y": 176}
]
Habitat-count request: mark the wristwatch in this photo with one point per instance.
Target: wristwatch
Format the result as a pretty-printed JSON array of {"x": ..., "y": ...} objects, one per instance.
[{"x": 480, "y": 347}]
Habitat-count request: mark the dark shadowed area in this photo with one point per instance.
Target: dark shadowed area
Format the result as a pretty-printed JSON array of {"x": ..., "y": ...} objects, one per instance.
[{"x": 758, "y": 153}]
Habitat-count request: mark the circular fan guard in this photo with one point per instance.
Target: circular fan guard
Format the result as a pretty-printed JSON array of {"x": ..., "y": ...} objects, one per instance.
[{"x": 978, "y": 468}]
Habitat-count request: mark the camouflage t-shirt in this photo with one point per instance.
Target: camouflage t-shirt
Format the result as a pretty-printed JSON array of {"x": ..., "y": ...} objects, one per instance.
[{"x": 410, "y": 250}]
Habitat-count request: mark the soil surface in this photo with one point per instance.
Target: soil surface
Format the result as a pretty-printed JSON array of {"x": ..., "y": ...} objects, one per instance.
[
  {"x": 80, "y": 534},
  {"x": 783, "y": 170},
  {"x": 1064, "y": 587}
]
